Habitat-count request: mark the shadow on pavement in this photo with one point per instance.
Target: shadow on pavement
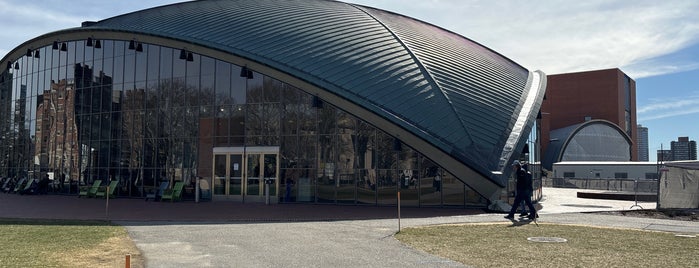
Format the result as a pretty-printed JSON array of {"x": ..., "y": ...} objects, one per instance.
[{"x": 134, "y": 210}]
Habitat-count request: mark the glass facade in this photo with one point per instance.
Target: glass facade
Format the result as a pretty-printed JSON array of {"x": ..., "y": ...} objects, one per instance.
[
  {"x": 533, "y": 158},
  {"x": 142, "y": 113}
]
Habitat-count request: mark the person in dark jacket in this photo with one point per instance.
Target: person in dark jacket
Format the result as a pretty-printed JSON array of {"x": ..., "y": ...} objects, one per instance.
[
  {"x": 524, "y": 191},
  {"x": 43, "y": 185},
  {"x": 523, "y": 205}
]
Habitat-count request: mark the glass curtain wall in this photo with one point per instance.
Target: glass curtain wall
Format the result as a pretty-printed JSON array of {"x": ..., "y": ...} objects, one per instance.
[{"x": 142, "y": 114}]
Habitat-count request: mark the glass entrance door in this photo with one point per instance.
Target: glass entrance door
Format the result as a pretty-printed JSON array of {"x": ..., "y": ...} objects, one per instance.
[
  {"x": 235, "y": 169},
  {"x": 246, "y": 174},
  {"x": 253, "y": 175},
  {"x": 228, "y": 174},
  {"x": 220, "y": 174}
]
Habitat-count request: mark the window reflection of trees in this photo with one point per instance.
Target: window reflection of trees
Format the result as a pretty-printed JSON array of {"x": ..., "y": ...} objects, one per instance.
[
  {"x": 365, "y": 144},
  {"x": 346, "y": 152},
  {"x": 408, "y": 176},
  {"x": 159, "y": 138},
  {"x": 430, "y": 183},
  {"x": 387, "y": 160},
  {"x": 262, "y": 120},
  {"x": 149, "y": 116}
]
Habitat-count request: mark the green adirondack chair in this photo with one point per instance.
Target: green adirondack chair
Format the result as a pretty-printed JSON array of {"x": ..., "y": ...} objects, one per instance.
[
  {"x": 90, "y": 191},
  {"x": 19, "y": 185},
  {"x": 175, "y": 193},
  {"x": 26, "y": 187},
  {"x": 159, "y": 192},
  {"x": 102, "y": 191}
]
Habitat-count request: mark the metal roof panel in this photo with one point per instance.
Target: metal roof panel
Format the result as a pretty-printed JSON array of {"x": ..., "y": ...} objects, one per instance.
[{"x": 448, "y": 90}]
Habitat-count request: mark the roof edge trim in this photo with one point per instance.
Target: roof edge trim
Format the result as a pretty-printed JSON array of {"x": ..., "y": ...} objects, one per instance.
[{"x": 535, "y": 89}]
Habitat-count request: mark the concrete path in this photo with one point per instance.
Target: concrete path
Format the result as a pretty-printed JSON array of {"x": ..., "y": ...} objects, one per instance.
[
  {"x": 300, "y": 244},
  {"x": 358, "y": 243},
  {"x": 355, "y": 243}
]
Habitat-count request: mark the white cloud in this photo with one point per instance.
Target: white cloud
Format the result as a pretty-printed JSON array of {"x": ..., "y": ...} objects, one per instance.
[
  {"x": 555, "y": 36},
  {"x": 669, "y": 107},
  {"x": 24, "y": 21},
  {"x": 668, "y": 114},
  {"x": 567, "y": 36},
  {"x": 659, "y": 68},
  {"x": 28, "y": 16}
]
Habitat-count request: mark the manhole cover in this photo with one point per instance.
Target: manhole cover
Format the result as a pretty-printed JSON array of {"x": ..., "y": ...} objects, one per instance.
[{"x": 547, "y": 239}]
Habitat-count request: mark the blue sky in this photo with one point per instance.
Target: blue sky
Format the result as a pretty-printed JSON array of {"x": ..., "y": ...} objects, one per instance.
[{"x": 656, "y": 43}]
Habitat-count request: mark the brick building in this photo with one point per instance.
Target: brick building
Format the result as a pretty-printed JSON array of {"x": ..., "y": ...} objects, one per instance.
[{"x": 576, "y": 98}]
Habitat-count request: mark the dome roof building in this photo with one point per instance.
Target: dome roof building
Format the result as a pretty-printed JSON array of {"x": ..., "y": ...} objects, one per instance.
[
  {"x": 325, "y": 101},
  {"x": 594, "y": 140}
]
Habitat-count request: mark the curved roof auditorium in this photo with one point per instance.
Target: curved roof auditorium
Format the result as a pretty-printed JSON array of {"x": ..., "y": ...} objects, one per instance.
[
  {"x": 594, "y": 140},
  {"x": 314, "y": 101}
]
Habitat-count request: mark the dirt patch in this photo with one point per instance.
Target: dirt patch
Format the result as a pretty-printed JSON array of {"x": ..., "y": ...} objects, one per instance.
[
  {"x": 111, "y": 253},
  {"x": 667, "y": 214}
]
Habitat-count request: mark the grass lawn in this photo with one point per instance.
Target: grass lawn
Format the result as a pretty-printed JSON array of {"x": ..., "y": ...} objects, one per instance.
[
  {"x": 504, "y": 245},
  {"x": 57, "y": 243}
]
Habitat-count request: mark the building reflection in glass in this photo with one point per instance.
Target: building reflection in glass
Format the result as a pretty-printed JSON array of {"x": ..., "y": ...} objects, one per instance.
[{"x": 144, "y": 117}]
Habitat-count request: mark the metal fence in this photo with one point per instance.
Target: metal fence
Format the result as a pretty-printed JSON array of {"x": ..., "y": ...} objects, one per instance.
[
  {"x": 537, "y": 194},
  {"x": 620, "y": 185}
]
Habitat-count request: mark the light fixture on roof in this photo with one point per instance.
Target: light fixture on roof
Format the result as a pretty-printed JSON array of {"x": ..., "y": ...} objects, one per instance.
[
  {"x": 317, "y": 102},
  {"x": 190, "y": 57},
  {"x": 64, "y": 46},
  {"x": 139, "y": 47},
  {"x": 183, "y": 54},
  {"x": 36, "y": 54},
  {"x": 249, "y": 74},
  {"x": 98, "y": 44},
  {"x": 245, "y": 72},
  {"x": 9, "y": 65},
  {"x": 16, "y": 65},
  {"x": 89, "y": 42},
  {"x": 397, "y": 145},
  {"x": 132, "y": 45},
  {"x": 29, "y": 52},
  {"x": 55, "y": 45}
]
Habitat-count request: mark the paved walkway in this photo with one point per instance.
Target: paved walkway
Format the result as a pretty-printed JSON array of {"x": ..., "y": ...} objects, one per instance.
[{"x": 224, "y": 234}]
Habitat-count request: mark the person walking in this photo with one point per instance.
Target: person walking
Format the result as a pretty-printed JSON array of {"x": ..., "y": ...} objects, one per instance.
[
  {"x": 523, "y": 205},
  {"x": 524, "y": 192}
]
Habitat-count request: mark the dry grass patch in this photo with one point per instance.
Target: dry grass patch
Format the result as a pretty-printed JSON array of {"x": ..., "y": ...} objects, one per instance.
[
  {"x": 110, "y": 253},
  {"x": 503, "y": 245},
  {"x": 51, "y": 243}
]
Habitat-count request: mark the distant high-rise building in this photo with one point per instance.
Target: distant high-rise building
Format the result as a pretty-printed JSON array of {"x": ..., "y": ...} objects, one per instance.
[
  {"x": 642, "y": 141},
  {"x": 664, "y": 155},
  {"x": 683, "y": 149}
]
